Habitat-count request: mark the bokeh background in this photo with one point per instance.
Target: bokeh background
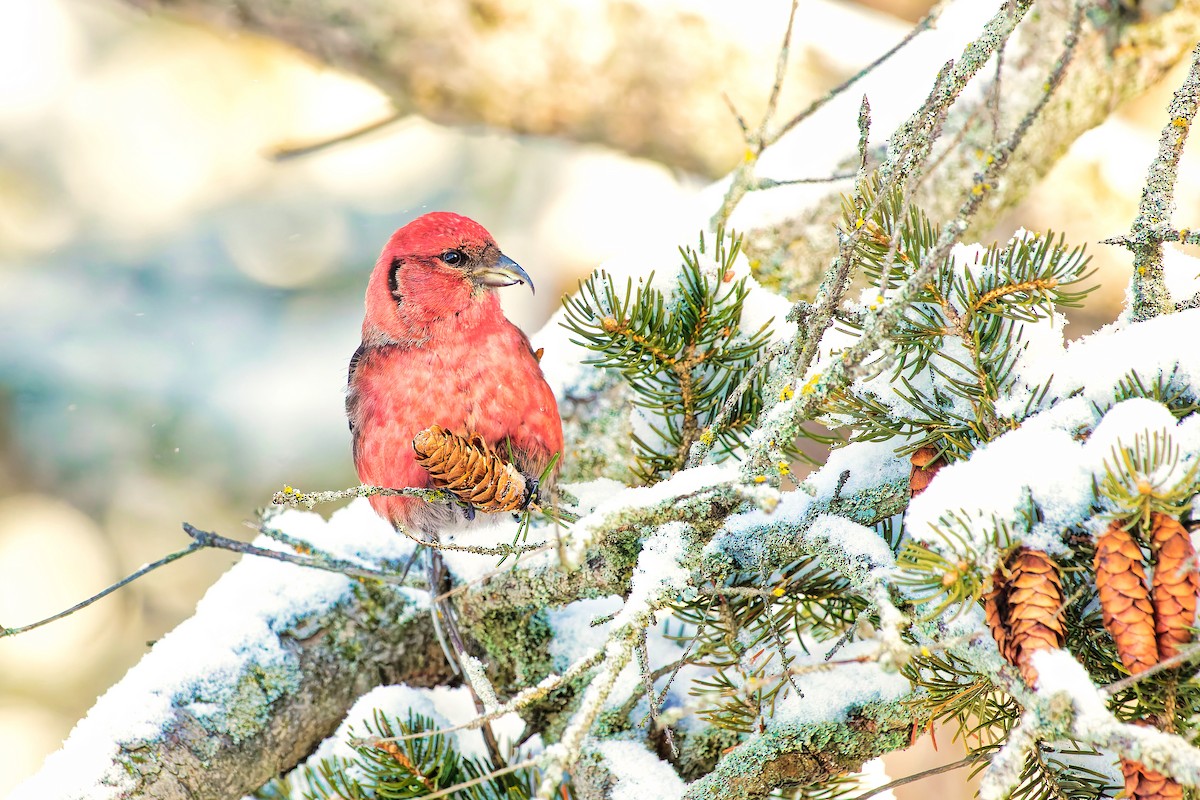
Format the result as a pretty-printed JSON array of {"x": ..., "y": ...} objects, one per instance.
[{"x": 177, "y": 310}]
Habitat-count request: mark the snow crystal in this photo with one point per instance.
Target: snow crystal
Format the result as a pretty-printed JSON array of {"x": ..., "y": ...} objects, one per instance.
[{"x": 640, "y": 774}]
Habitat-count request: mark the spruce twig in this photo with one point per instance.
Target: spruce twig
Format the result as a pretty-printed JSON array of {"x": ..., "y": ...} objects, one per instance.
[{"x": 1152, "y": 225}]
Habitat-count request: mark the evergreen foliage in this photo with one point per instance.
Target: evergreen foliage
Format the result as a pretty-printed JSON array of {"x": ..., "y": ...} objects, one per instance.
[
  {"x": 402, "y": 769},
  {"x": 683, "y": 352},
  {"x": 961, "y": 336}
]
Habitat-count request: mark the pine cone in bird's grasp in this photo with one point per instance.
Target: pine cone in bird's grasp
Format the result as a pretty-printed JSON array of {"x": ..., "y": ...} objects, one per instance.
[
  {"x": 470, "y": 470},
  {"x": 1024, "y": 609},
  {"x": 1176, "y": 582},
  {"x": 925, "y": 464},
  {"x": 1125, "y": 598}
]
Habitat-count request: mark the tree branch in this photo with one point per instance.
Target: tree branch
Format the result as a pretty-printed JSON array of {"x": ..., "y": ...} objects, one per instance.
[{"x": 640, "y": 77}]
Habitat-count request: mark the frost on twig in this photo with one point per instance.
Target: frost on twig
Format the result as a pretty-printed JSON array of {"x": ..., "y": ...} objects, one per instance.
[{"x": 1153, "y": 223}]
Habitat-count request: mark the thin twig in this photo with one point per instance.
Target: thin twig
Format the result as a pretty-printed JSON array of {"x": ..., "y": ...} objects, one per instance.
[
  {"x": 516, "y": 703},
  {"x": 162, "y": 562},
  {"x": 974, "y": 758},
  {"x": 1185, "y": 655},
  {"x": 317, "y": 560},
  {"x": 287, "y": 152},
  {"x": 1150, "y": 297},
  {"x": 458, "y": 787},
  {"x": 295, "y": 498},
  {"x": 781, "y": 62},
  {"x": 771, "y": 183},
  {"x": 743, "y": 176},
  {"x": 926, "y": 23}
]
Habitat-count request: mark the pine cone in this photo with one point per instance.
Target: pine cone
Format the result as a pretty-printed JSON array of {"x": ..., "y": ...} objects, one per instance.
[
  {"x": 1024, "y": 609},
  {"x": 1173, "y": 592},
  {"x": 468, "y": 469},
  {"x": 1035, "y": 603},
  {"x": 925, "y": 464},
  {"x": 995, "y": 608},
  {"x": 1125, "y": 599},
  {"x": 1146, "y": 784}
]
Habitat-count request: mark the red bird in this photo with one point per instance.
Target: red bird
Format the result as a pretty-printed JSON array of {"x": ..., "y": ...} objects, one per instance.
[{"x": 437, "y": 350}]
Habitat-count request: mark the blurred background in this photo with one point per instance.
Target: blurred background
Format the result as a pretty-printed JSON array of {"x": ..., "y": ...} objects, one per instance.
[{"x": 177, "y": 310}]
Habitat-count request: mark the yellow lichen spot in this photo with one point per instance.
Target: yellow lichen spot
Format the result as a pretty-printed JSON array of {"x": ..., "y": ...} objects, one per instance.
[
  {"x": 925, "y": 651},
  {"x": 858, "y": 223},
  {"x": 1046, "y": 86},
  {"x": 876, "y": 303},
  {"x": 787, "y": 394},
  {"x": 1141, "y": 270},
  {"x": 784, "y": 468},
  {"x": 811, "y": 386},
  {"x": 991, "y": 160},
  {"x": 777, "y": 591},
  {"x": 1183, "y": 234},
  {"x": 1179, "y": 122},
  {"x": 708, "y": 437},
  {"x": 760, "y": 478},
  {"x": 748, "y": 156},
  {"x": 754, "y": 262}
]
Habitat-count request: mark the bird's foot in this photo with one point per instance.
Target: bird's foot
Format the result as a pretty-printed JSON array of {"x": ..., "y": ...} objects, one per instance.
[
  {"x": 468, "y": 511},
  {"x": 531, "y": 493}
]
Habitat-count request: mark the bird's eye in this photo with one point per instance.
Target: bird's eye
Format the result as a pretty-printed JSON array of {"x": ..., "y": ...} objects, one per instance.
[{"x": 454, "y": 257}]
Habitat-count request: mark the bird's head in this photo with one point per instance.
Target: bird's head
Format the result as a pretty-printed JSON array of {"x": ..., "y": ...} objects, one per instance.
[{"x": 436, "y": 268}]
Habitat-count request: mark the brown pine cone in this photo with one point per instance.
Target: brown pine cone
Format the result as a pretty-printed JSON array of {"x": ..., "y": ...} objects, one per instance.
[
  {"x": 1035, "y": 602},
  {"x": 1125, "y": 598},
  {"x": 995, "y": 609},
  {"x": 1024, "y": 609},
  {"x": 1173, "y": 592},
  {"x": 468, "y": 469},
  {"x": 925, "y": 464},
  {"x": 1146, "y": 784}
]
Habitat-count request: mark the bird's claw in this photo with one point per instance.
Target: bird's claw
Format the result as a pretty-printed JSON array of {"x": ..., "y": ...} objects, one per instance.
[
  {"x": 468, "y": 511},
  {"x": 531, "y": 494}
]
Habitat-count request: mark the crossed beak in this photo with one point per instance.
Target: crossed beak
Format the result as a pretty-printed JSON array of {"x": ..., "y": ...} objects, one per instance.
[{"x": 504, "y": 272}]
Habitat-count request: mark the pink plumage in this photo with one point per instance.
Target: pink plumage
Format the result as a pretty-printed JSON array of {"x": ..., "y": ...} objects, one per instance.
[{"x": 437, "y": 350}]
